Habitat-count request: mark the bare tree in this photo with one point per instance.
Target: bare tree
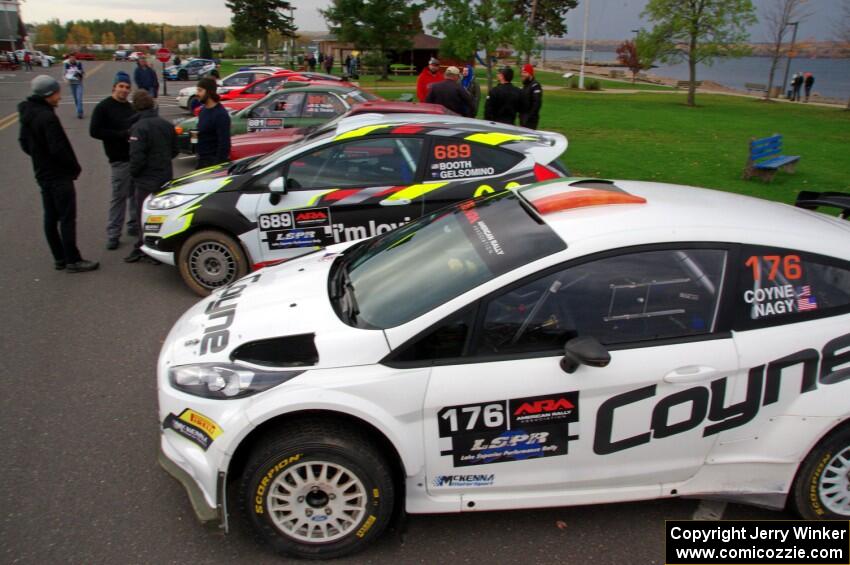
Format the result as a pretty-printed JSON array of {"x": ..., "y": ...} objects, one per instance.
[{"x": 778, "y": 17}]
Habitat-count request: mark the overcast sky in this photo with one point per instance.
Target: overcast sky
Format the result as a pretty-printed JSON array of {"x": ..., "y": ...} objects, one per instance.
[{"x": 609, "y": 19}]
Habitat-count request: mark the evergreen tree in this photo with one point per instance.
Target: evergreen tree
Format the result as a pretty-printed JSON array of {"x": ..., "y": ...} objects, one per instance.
[
  {"x": 256, "y": 19},
  {"x": 204, "y": 47}
]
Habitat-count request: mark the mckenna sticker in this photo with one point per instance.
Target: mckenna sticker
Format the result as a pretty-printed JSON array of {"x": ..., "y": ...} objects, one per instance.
[
  {"x": 194, "y": 426},
  {"x": 464, "y": 480}
]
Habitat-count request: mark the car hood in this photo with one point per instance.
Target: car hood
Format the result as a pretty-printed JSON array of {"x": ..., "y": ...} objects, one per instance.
[
  {"x": 276, "y": 302},
  {"x": 201, "y": 181},
  {"x": 188, "y": 91}
]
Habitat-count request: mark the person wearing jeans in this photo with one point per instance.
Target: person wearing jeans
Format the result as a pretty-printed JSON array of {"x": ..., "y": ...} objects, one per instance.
[
  {"x": 56, "y": 168},
  {"x": 74, "y": 77},
  {"x": 110, "y": 122}
]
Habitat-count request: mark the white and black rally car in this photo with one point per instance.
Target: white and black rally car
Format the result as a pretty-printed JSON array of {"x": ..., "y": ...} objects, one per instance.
[
  {"x": 569, "y": 342},
  {"x": 353, "y": 178}
]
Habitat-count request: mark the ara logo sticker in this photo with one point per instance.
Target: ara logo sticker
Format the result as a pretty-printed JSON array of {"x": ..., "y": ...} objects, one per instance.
[{"x": 312, "y": 218}]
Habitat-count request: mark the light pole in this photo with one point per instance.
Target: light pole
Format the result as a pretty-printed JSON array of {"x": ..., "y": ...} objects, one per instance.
[
  {"x": 790, "y": 53},
  {"x": 584, "y": 45}
]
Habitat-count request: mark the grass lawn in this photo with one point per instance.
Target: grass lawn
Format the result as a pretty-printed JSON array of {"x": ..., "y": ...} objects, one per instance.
[{"x": 657, "y": 137}]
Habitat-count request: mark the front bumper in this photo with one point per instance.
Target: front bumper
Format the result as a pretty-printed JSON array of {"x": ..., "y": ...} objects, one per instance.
[
  {"x": 206, "y": 513},
  {"x": 166, "y": 257},
  {"x": 183, "y": 101}
]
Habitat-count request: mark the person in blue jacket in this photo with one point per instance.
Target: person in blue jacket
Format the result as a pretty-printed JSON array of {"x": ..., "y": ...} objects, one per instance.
[
  {"x": 213, "y": 126},
  {"x": 145, "y": 77}
]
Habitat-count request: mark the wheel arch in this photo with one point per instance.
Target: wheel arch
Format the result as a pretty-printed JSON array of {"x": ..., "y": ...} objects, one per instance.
[
  {"x": 208, "y": 226},
  {"x": 278, "y": 424},
  {"x": 840, "y": 427}
]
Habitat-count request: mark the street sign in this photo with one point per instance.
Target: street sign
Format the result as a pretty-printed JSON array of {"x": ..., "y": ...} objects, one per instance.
[{"x": 163, "y": 55}]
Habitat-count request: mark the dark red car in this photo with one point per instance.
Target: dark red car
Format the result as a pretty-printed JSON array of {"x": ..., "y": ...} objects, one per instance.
[{"x": 261, "y": 142}]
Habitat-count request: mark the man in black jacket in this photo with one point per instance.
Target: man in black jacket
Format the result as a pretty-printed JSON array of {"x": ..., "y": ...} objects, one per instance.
[
  {"x": 503, "y": 102},
  {"x": 532, "y": 99},
  {"x": 56, "y": 168},
  {"x": 110, "y": 122},
  {"x": 153, "y": 144},
  {"x": 450, "y": 94},
  {"x": 213, "y": 126}
]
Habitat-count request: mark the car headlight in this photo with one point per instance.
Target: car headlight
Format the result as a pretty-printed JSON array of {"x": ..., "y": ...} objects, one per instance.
[
  {"x": 225, "y": 380},
  {"x": 168, "y": 201}
]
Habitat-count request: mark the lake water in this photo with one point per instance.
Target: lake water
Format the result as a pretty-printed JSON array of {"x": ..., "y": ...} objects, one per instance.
[{"x": 832, "y": 76}]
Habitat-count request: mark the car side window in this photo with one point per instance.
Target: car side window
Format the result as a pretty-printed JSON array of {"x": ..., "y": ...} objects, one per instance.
[
  {"x": 323, "y": 106},
  {"x": 265, "y": 86},
  {"x": 282, "y": 106},
  {"x": 627, "y": 298},
  {"x": 240, "y": 80},
  {"x": 778, "y": 286},
  {"x": 453, "y": 158},
  {"x": 358, "y": 163}
]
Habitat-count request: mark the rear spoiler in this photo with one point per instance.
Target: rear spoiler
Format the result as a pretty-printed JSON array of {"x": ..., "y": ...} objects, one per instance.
[{"x": 811, "y": 200}]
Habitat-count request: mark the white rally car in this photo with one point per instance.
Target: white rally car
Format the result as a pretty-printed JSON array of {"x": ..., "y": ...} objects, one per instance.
[{"x": 569, "y": 342}]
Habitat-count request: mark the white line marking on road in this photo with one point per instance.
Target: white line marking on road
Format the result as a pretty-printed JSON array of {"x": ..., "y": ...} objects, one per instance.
[{"x": 710, "y": 510}]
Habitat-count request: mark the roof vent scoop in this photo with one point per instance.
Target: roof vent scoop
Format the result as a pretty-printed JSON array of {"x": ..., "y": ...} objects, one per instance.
[{"x": 286, "y": 351}]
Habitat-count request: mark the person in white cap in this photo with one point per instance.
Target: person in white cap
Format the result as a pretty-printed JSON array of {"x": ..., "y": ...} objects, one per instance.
[
  {"x": 451, "y": 94},
  {"x": 56, "y": 168}
]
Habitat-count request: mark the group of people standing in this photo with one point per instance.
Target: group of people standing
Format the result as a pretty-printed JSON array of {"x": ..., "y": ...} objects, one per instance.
[
  {"x": 459, "y": 92},
  {"x": 138, "y": 143},
  {"x": 798, "y": 82}
]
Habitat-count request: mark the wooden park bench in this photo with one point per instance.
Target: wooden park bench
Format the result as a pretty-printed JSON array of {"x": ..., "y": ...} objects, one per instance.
[
  {"x": 765, "y": 158},
  {"x": 399, "y": 69},
  {"x": 686, "y": 83},
  {"x": 754, "y": 86},
  {"x": 616, "y": 74}
]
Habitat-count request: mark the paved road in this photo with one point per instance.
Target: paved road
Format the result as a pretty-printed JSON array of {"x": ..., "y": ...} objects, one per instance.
[{"x": 79, "y": 481}]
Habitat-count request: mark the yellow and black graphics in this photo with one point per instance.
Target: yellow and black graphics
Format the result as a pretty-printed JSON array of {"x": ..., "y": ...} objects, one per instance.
[{"x": 193, "y": 426}]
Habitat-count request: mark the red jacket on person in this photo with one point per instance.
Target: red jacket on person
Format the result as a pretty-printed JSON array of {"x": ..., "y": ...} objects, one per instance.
[{"x": 426, "y": 78}]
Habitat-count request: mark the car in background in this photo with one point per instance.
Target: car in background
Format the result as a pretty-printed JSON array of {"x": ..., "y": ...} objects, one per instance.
[
  {"x": 355, "y": 178},
  {"x": 135, "y": 55},
  {"x": 303, "y": 106},
  {"x": 239, "y": 79},
  {"x": 262, "y": 142},
  {"x": 261, "y": 87},
  {"x": 575, "y": 342},
  {"x": 191, "y": 69},
  {"x": 121, "y": 55},
  {"x": 37, "y": 57}
]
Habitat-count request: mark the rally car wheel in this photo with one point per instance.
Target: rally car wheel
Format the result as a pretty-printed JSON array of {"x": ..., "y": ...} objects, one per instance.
[
  {"x": 318, "y": 491},
  {"x": 822, "y": 487},
  {"x": 209, "y": 260},
  {"x": 182, "y": 75}
]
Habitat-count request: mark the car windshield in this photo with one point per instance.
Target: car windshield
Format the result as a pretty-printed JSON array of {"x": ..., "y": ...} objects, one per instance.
[
  {"x": 394, "y": 278},
  {"x": 360, "y": 96}
]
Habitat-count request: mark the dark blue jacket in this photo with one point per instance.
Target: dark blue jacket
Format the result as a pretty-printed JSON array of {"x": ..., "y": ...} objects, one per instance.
[
  {"x": 214, "y": 133},
  {"x": 145, "y": 77}
]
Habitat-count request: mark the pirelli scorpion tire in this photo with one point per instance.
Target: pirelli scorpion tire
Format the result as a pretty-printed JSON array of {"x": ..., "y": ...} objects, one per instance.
[
  {"x": 211, "y": 259},
  {"x": 318, "y": 491},
  {"x": 822, "y": 488}
]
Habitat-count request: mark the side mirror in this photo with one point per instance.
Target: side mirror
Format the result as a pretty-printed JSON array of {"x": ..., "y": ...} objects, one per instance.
[
  {"x": 585, "y": 350},
  {"x": 278, "y": 185}
]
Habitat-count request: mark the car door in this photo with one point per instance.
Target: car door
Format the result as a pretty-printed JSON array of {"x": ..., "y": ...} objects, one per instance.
[
  {"x": 507, "y": 419},
  {"x": 321, "y": 107},
  {"x": 339, "y": 192},
  {"x": 792, "y": 322},
  {"x": 276, "y": 111}
]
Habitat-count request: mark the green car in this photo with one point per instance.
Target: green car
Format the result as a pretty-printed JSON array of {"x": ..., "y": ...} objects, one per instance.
[{"x": 290, "y": 107}]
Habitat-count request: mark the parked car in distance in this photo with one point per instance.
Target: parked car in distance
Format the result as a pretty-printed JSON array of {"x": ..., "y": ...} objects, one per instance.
[
  {"x": 262, "y": 142},
  {"x": 121, "y": 55},
  {"x": 301, "y": 106},
  {"x": 192, "y": 69}
]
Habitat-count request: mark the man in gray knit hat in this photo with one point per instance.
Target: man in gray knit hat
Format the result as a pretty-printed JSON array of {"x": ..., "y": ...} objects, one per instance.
[{"x": 56, "y": 168}]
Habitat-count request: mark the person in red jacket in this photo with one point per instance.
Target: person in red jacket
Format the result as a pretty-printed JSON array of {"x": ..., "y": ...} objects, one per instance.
[{"x": 428, "y": 76}]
